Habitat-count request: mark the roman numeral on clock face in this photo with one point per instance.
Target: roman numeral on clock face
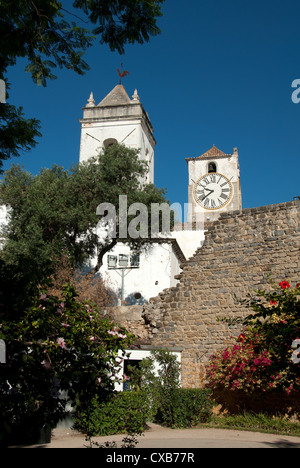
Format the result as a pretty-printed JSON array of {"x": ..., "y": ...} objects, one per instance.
[{"x": 199, "y": 191}]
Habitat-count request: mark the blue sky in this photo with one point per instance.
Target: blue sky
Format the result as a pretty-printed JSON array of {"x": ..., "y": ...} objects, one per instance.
[{"x": 219, "y": 74}]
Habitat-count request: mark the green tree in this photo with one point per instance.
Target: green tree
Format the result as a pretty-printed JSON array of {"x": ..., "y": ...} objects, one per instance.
[
  {"x": 161, "y": 384},
  {"x": 53, "y": 347},
  {"x": 49, "y": 35},
  {"x": 16, "y": 132}
]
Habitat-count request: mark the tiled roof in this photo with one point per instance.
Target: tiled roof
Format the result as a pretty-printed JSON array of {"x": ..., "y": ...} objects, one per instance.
[{"x": 212, "y": 153}]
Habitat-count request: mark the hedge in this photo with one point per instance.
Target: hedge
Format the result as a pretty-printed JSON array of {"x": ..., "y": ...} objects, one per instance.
[
  {"x": 129, "y": 412},
  {"x": 188, "y": 407},
  {"x": 124, "y": 412}
]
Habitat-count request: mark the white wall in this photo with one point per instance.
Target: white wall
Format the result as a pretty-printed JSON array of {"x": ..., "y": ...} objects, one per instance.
[
  {"x": 93, "y": 134},
  {"x": 227, "y": 166},
  {"x": 123, "y": 120},
  {"x": 158, "y": 266},
  {"x": 189, "y": 241}
]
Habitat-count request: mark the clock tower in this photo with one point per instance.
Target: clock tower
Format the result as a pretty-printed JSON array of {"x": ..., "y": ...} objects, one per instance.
[
  {"x": 117, "y": 118},
  {"x": 214, "y": 185}
]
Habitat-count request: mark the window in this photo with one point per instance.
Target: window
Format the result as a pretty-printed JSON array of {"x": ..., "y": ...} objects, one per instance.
[
  {"x": 109, "y": 142},
  {"x": 135, "y": 260},
  {"x": 123, "y": 260},
  {"x": 212, "y": 167},
  {"x": 112, "y": 261}
]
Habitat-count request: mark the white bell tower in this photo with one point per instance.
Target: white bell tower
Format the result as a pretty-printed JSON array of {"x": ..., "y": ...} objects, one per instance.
[
  {"x": 214, "y": 185},
  {"x": 117, "y": 118}
]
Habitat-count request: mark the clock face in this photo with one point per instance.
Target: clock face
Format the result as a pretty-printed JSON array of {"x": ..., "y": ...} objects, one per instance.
[{"x": 213, "y": 191}]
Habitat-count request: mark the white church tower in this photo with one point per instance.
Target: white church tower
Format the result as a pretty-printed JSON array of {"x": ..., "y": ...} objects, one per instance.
[
  {"x": 117, "y": 118},
  {"x": 134, "y": 276},
  {"x": 214, "y": 185}
]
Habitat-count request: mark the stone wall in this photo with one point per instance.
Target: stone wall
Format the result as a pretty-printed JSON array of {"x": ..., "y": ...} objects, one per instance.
[{"x": 240, "y": 251}]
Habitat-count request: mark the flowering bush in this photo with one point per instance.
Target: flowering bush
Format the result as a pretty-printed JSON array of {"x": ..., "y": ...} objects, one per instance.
[
  {"x": 56, "y": 348},
  {"x": 240, "y": 366},
  {"x": 262, "y": 357}
]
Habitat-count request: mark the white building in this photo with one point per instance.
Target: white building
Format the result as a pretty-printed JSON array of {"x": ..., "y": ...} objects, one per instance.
[
  {"x": 134, "y": 276},
  {"x": 214, "y": 187}
]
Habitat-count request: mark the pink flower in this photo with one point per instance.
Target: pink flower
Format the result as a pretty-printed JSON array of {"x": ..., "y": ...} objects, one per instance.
[{"x": 61, "y": 343}]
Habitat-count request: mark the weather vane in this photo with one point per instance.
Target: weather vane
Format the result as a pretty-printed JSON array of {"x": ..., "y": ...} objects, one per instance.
[{"x": 122, "y": 73}]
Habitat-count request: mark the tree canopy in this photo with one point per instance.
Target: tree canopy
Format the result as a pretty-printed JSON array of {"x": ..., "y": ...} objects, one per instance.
[
  {"x": 50, "y": 35},
  {"x": 53, "y": 214}
]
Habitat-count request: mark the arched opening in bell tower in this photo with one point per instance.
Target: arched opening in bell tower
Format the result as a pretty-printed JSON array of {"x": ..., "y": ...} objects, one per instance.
[
  {"x": 212, "y": 167},
  {"x": 109, "y": 142}
]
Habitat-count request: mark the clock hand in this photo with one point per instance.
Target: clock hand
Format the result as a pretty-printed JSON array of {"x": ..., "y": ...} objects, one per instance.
[{"x": 210, "y": 191}]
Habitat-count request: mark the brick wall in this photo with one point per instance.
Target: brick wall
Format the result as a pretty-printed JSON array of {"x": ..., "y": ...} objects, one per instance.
[{"x": 239, "y": 253}]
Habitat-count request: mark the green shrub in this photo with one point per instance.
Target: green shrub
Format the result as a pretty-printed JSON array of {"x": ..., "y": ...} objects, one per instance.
[
  {"x": 123, "y": 412},
  {"x": 188, "y": 407},
  {"x": 169, "y": 404}
]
